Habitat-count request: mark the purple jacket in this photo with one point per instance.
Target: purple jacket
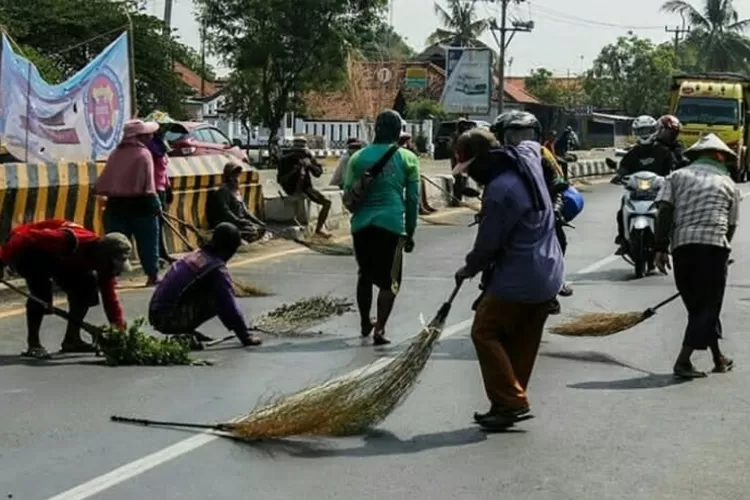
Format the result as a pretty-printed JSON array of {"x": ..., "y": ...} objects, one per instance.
[
  {"x": 202, "y": 273},
  {"x": 517, "y": 236}
]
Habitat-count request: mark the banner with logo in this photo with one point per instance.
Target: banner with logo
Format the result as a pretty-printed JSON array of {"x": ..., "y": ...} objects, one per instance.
[
  {"x": 468, "y": 82},
  {"x": 80, "y": 119}
]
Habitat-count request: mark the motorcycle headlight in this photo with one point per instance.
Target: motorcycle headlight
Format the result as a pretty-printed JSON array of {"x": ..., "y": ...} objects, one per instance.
[{"x": 644, "y": 185}]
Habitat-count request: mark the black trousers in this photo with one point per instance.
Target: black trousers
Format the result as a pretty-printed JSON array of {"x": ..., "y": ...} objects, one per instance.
[
  {"x": 700, "y": 273},
  {"x": 562, "y": 238}
]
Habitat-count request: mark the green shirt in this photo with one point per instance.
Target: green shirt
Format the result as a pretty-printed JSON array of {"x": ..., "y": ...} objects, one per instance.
[{"x": 393, "y": 200}]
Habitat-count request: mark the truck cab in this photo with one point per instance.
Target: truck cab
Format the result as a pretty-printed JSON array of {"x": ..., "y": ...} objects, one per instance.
[{"x": 715, "y": 103}]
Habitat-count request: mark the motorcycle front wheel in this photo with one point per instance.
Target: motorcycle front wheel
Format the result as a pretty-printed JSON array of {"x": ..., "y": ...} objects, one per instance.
[{"x": 639, "y": 252}]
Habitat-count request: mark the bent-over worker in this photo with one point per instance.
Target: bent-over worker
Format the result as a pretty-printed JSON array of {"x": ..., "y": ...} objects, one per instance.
[
  {"x": 226, "y": 205},
  {"x": 198, "y": 288},
  {"x": 80, "y": 262}
]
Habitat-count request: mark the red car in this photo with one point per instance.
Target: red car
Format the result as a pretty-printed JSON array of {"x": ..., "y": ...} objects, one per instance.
[{"x": 198, "y": 139}]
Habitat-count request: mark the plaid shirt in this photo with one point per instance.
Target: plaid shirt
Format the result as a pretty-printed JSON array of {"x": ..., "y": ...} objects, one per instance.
[{"x": 706, "y": 202}]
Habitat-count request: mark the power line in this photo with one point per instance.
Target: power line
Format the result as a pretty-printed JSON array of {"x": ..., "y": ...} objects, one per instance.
[{"x": 564, "y": 17}]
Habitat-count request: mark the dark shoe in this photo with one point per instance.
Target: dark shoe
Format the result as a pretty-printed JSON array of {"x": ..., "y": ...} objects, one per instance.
[
  {"x": 566, "y": 291},
  {"x": 202, "y": 338},
  {"x": 688, "y": 372},
  {"x": 621, "y": 250},
  {"x": 503, "y": 419},
  {"x": 554, "y": 307},
  {"x": 496, "y": 410},
  {"x": 378, "y": 338},
  {"x": 251, "y": 341},
  {"x": 39, "y": 353}
]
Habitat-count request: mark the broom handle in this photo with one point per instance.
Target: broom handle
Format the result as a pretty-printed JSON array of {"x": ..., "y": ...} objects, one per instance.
[
  {"x": 177, "y": 232},
  {"x": 146, "y": 422},
  {"x": 55, "y": 310},
  {"x": 450, "y": 195},
  {"x": 454, "y": 292},
  {"x": 674, "y": 297}
]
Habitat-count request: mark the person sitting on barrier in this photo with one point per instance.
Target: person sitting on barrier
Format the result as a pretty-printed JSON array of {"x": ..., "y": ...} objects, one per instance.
[
  {"x": 352, "y": 146},
  {"x": 77, "y": 260},
  {"x": 133, "y": 207},
  {"x": 198, "y": 288},
  {"x": 296, "y": 170},
  {"x": 226, "y": 205}
]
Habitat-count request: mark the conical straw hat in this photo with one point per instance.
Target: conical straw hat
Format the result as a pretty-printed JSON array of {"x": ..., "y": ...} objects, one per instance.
[{"x": 710, "y": 142}]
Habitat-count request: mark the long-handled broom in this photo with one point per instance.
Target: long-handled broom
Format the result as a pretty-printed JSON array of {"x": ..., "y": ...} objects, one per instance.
[
  {"x": 339, "y": 407},
  {"x": 240, "y": 289},
  {"x": 605, "y": 324},
  {"x": 450, "y": 195}
]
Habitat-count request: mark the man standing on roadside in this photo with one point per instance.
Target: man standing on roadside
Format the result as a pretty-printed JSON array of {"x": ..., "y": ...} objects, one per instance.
[
  {"x": 384, "y": 222},
  {"x": 518, "y": 254},
  {"x": 459, "y": 180},
  {"x": 698, "y": 216}
]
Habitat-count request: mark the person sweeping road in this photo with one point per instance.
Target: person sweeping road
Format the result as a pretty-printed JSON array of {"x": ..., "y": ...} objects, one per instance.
[
  {"x": 517, "y": 252},
  {"x": 382, "y": 192},
  {"x": 80, "y": 262},
  {"x": 198, "y": 288},
  {"x": 697, "y": 218}
]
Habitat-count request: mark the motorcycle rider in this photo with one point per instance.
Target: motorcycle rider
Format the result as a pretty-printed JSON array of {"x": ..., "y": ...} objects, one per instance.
[
  {"x": 648, "y": 155},
  {"x": 667, "y": 133},
  {"x": 553, "y": 176}
]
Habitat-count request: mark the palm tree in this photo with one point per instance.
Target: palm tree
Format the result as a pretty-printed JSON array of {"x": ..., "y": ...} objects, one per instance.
[
  {"x": 717, "y": 33},
  {"x": 462, "y": 26}
]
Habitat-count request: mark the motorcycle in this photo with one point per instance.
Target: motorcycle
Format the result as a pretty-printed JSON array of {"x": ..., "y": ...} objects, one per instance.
[{"x": 639, "y": 219}]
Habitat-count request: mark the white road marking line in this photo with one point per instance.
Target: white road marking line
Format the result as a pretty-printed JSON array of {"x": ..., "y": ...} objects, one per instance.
[{"x": 144, "y": 464}]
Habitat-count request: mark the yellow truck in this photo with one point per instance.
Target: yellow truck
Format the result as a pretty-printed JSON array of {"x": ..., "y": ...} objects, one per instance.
[{"x": 716, "y": 103}]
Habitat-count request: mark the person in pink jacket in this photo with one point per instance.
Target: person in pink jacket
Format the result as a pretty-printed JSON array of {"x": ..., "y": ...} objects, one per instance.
[
  {"x": 133, "y": 207},
  {"x": 159, "y": 149}
]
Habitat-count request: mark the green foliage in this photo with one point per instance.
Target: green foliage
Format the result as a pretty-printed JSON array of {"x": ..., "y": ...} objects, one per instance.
[
  {"x": 242, "y": 95},
  {"x": 424, "y": 109},
  {"x": 632, "y": 75},
  {"x": 382, "y": 43},
  {"x": 62, "y": 36},
  {"x": 293, "y": 47},
  {"x": 540, "y": 83},
  {"x": 461, "y": 24},
  {"x": 133, "y": 346},
  {"x": 717, "y": 35}
]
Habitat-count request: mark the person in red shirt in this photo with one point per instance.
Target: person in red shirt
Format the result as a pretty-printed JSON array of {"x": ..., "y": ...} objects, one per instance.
[{"x": 80, "y": 262}]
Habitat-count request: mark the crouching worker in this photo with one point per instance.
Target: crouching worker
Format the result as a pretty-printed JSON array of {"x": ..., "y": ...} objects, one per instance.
[
  {"x": 198, "y": 288},
  {"x": 226, "y": 205},
  {"x": 77, "y": 260}
]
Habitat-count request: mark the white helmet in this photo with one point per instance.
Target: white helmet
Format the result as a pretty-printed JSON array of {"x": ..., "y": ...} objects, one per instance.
[{"x": 644, "y": 127}]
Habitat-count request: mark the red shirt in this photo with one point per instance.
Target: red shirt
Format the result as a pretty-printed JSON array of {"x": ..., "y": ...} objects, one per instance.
[{"x": 53, "y": 237}]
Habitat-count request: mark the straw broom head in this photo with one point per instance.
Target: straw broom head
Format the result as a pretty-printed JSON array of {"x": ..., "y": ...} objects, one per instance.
[
  {"x": 344, "y": 407},
  {"x": 599, "y": 324},
  {"x": 246, "y": 290}
]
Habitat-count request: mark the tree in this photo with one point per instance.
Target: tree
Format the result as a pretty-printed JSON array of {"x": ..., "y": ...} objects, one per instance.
[
  {"x": 382, "y": 43},
  {"x": 461, "y": 23},
  {"x": 631, "y": 75},
  {"x": 424, "y": 109},
  {"x": 540, "y": 83},
  {"x": 293, "y": 46},
  {"x": 62, "y": 36},
  {"x": 191, "y": 58},
  {"x": 717, "y": 33},
  {"x": 242, "y": 95}
]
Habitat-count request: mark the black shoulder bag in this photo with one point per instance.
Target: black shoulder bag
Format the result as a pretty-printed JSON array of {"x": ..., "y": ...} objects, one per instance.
[{"x": 354, "y": 197}]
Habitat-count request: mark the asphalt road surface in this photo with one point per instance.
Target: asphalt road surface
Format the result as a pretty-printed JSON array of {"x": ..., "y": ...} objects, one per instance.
[{"x": 610, "y": 423}]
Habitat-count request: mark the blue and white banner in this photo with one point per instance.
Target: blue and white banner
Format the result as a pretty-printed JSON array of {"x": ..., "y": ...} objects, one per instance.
[
  {"x": 80, "y": 119},
  {"x": 468, "y": 82}
]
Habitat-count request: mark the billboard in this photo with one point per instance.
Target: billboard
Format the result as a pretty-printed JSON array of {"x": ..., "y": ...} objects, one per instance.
[
  {"x": 468, "y": 81},
  {"x": 80, "y": 119}
]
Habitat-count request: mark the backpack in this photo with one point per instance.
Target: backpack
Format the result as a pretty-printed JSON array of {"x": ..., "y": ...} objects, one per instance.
[
  {"x": 572, "y": 203},
  {"x": 361, "y": 188}
]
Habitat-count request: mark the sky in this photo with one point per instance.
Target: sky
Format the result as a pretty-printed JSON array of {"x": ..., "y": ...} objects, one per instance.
[{"x": 566, "y": 38}]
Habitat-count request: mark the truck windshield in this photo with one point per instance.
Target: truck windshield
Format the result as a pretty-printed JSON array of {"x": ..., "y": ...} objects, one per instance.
[{"x": 708, "y": 110}]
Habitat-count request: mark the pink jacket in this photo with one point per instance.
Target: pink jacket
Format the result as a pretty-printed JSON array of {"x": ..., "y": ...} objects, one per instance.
[
  {"x": 129, "y": 172},
  {"x": 161, "y": 179}
]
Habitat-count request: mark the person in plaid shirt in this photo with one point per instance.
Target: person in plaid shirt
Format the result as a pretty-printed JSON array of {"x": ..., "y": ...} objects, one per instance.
[{"x": 697, "y": 218}]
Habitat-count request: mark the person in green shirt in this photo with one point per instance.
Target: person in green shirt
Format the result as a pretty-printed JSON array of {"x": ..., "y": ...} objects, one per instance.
[{"x": 384, "y": 223}]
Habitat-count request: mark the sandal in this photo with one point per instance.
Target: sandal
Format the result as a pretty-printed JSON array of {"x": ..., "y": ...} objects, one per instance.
[
  {"x": 378, "y": 338},
  {"x": 77, "y": 348},
  {"x": 723, "y": 367},
  {"x": 39, "y": 353},
  {"x": 251, "y": 341},
  {"x": 688, "y": 372}
]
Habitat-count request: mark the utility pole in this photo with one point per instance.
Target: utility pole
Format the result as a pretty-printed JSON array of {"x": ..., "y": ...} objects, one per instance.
[
  {"x": 678, "y": 33},
  {"x": 506, "y": 36},
  {"x": 168, "y": 14}
]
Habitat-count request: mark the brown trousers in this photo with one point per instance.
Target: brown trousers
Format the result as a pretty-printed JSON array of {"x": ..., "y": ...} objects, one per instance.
[{"x": 506, "y": 336}]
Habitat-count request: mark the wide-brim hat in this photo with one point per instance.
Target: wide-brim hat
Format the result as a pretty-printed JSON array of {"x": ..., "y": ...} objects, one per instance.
[
  {"x": 231, "y": 168},
  {"x": 470, "y": 145},
  {"x": 135, "y": 128},
  {"x": 709, "y": 143}
]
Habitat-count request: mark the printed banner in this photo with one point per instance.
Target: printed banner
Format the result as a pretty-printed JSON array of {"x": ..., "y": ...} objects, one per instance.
[
  {"x": 468, "y": 82},
  {"x": 80, "y": 119}
]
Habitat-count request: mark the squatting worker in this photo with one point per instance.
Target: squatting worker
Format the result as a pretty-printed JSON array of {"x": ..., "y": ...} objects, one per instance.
[
  {"x": 697, "y": 218},
  {"x": 226, "y": 205},
  {"x": 75, "y": 259},
  {"x": 198, "y": 288},
  {"x": 518, "y": 254},
  {"x": 133, "y": 207},
  {"x": 383, "y": 226}
]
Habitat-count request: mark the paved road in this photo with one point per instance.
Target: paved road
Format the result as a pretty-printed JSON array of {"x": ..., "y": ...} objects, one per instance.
[{"x": 603, "y": 431}]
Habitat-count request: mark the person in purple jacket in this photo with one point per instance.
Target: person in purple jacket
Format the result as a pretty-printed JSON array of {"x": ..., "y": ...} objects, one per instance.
[
  {"x": 517, "y": 252},
  {"x": 198, "y": 288}
]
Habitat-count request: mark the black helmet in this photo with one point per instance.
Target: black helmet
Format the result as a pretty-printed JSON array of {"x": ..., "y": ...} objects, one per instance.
[
  {"x": 226, "y": 239},
  {"x": 515, "y": 120}
]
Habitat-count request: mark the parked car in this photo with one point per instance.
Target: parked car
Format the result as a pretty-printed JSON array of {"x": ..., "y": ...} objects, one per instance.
[
  {"x": 444, "y": 137},
  {"x": 198, "y": 139}
]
